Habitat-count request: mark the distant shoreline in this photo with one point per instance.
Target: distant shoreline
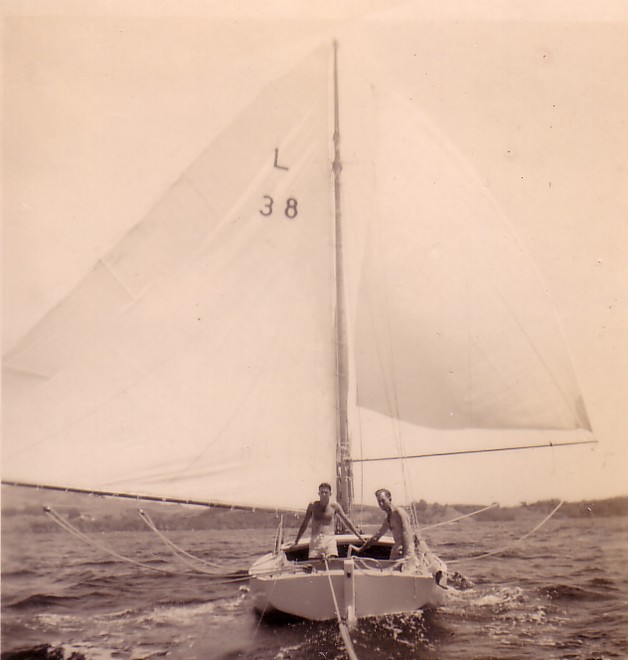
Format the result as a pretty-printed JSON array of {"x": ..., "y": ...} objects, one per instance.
[{"x": 23, "y": 512}]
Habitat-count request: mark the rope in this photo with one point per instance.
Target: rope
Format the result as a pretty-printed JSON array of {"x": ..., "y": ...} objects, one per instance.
[
  {"x": 417, "y": 529},
  {"x": 453, "y": 520},
  {"x": 344, "y": 630},
  {"x": 76, "y": 532},
  {"x": 506, "y": 547},
  {"x": 384, "y": 347},
  {"x": 175, "y": 549},
  {"x": 222, "y": 578},
  {"x": 361, "y": 438}
]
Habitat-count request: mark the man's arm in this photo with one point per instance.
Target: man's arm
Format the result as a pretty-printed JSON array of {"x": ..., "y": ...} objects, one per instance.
[
  {"x": 376, "y": 537},
  {"x": 407, "y": 542},
  {"x": 304, "y": 524},
  {"x": 343, "y": 516}
]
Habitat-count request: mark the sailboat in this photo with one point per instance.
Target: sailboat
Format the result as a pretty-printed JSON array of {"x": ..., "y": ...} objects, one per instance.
[
  {"x": 347, "y": 587},
  {"x": 224, "y": 351}
]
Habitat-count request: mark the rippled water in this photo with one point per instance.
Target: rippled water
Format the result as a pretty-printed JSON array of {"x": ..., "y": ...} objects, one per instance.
[{"x": 563, "y": 593}]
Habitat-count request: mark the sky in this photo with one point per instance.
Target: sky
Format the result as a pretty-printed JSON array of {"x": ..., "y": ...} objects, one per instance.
[{"x": 104, "y": 105}]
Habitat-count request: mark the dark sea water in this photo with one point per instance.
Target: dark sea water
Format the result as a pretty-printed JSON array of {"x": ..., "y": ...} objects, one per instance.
[{"x": 563, "y": 593}]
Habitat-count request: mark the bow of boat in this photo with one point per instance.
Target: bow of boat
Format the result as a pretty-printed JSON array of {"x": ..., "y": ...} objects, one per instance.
[{"x": 350, "y": 586}]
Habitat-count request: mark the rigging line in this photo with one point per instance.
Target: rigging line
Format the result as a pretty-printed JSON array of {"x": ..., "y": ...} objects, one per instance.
[
  {"x": 76, "y": 532},
  {"x": 470, "y": 410},
  {"x": 407, "y": 482},
  {"x": 216, "y": 579},
  {"x": 344, "y": 630},
  {"x": 392, "y": 395},
  {"x": 361, "y": 466},
  {"x": 397, "y": 419},
  {"x": 370, "y": 306},
  {"x": 453, "y": 520},
  {"x": 477, "y": 451},
  {"x": 506, "y": 547},
  {"x": 358, "y": 416},
  {"x": 357, "y": 230},
  {"x": 391, "y": 399},
  {"x": 173, "y": 547}
]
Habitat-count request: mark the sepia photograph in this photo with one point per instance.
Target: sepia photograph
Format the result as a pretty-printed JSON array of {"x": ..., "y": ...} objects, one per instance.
[{"x": 314, "y": 330}]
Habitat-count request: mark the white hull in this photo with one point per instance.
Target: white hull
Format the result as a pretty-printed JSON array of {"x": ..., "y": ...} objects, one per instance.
[{"x": 362, "y": 587}]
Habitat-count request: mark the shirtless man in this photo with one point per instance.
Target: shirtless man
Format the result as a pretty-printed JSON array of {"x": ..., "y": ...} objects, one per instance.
[
  {"x": 323, "y": 515},
  {"x": 398, "y": 522}
]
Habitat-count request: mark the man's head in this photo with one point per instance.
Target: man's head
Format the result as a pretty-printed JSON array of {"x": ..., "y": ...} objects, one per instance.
[
  {"x": 384, "y": 498},
  {"x": 324, "y": 492}
]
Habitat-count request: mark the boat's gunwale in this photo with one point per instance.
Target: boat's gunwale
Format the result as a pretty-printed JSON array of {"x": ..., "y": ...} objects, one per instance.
[
  {"x": 263, "y": 568},
  {"x": 340, "y": 538}
]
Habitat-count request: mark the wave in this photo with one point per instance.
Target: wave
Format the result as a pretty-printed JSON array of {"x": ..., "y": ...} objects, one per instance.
[
  {"x": 6, "y": 575},
  {"x": 106, "y": 563},
  {"x": 588, "y": 570},
  {"x": 606, "y": 583},
  {"x": 40, "y": 652},
  {"x": 478, "y": 599},
  {"x": 514, "y": 554},
  {"x": 177, "y": 613},
  {"x": 188, "y": 602},
  {"x": 570, "y": 592},
  {"x": 456, "y": 544},
  {"x": 42, "y": 600},
  {"x": 499, "y": 597}
]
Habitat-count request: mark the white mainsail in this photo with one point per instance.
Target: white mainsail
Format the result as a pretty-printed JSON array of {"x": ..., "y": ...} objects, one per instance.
[{"x": 197, "y": 360}]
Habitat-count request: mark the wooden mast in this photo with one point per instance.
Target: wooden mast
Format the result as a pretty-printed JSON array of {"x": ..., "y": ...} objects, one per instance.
[{"x": 344, "y": 476}]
